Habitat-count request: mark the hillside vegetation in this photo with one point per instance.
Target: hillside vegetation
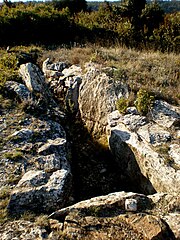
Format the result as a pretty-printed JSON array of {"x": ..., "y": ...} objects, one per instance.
[
  {"x": 167, "y": 6},
  {"x": 155, "y": 72},
  {"x": 141, "y": 43},
  {"x": 50, "y": 23}
]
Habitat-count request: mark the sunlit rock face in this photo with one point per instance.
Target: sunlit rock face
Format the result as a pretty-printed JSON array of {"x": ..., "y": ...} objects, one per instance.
[
  {"x": 146, "y": 147},
  {"x": 98, "y": 95}
]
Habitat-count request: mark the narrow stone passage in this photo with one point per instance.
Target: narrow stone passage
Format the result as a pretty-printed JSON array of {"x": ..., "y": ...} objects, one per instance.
[{"x": 94, "y": 170}]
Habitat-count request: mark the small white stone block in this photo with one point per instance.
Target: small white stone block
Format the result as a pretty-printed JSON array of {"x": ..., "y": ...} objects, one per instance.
[{"x": 131, "y": 205}]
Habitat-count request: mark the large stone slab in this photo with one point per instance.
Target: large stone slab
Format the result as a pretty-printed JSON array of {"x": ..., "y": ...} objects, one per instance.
[
  {"x": 38, "y": 192},
  {"x": 106, "y": 217},
  {"x": 98, "y": 96},
  {"x": 144, "y": 148}
]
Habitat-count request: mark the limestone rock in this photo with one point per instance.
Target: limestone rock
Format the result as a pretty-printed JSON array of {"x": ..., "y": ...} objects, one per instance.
[
  {"x": 129, "y": 149},
  {"x": 134, "y": 122},
  {"x": 134, "y": 227},
  {"x": 36, "y": 192},
  {"x": 32, "y": 179},
  {"x": 98, "y": 96},
  {"x": 56, "y": 145},
  {"x": 165, "y": 114},
  {"x": 113, "y": 118},
  {"x": 48, "y": 65},
  {"x": 105, "y": 217},
  {"x": 72, "y": 71},
  {"x": 167, "y": 206},
  {"x": 19, "y": 89},
  {"x": 44, "y": 170},
  {"x": 33, "y": 77},
  {"x": 22, "y": 135},
  {"x": 45, "y": 66},
  {"x": 115, "y": 201},
  {"x": 53, "y": 70},
  {"x": 132, "y": 139},
  {"x": 64, "y": 82},
  {"x": 72, "y": 95},
  {"x": 173, "y": 220},
  {"x": 50, "y": 129},
  {"x": 48, "y": 163},
  {"x": 22, "y": 229},
  {"x": 175, "y": 153},
  {"x": 154, "y": 134},
  {"x": 71, "y": 80},
  {"x": 152, "y": 227}
]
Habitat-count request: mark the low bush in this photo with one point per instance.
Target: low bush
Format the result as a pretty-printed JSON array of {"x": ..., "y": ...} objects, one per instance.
[
  {"x": 144, "y": 101},
  {"x": 8, "y": 68},
  {"x": 121, "y": 105}
]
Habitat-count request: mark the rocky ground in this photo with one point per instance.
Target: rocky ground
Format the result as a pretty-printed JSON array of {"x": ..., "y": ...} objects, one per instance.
[{"x": 47, "y": 165}]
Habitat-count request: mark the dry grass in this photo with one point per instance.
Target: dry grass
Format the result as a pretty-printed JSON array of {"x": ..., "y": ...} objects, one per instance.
[
  {"x": 4, "y": 200},
  {"x": 42, "y": 221},
  {"x": 154, "y": 71},
  {"x": 28, "y": 216},
  {"x": 75, "y": 55}
]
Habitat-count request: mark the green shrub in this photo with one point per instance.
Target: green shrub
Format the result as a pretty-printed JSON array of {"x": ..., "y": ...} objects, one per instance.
[
  {"x": 122, "y": 105},
  {"x": 8, "y": 68},
  {"x": 144, "y": 101},
  {"x": 28, "y": 23},
  {"x": 16, "y": 155}
]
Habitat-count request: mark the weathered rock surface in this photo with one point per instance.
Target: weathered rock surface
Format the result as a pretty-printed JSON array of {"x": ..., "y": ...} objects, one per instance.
[
  {"x": 33, "y": 77},
  {"x": 35, "y": 159},
  {"x": 64, "y": 82},
  {"x": 22, "y": 229},
  {"x": 173, "y": 220},
  {"x": 38, "y": 192},
  {"x": 53, "y": 70},
  {"x": 165, "y": 114},
  {"x": 174, "y": 153},
  {"x": 98, "y": 95},
  {"x": 136, "y": 227},
  {"x": 19, "y": 89},
  {"x": 115, "y": 201},
  {"x": 137, "y": 141},
  {"x": 23, "y": 134},
  {"x": 105, "y": 217},
  {"x": 167, "y": 206},
  {"x": 35, "y": 82},
  {"x": 43, "y": 166}
]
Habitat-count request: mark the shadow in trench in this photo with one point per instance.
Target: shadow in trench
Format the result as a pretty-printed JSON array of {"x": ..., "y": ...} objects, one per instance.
[
  {"x": 95, "y": 171},
  {"x": 127, "y": 163}
]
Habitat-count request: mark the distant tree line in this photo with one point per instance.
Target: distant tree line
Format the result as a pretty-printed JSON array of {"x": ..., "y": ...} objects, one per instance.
[
  {"x": 73, "y": 5},
  {"x": 166, "y": 6},
  {"x": 133, "y": 23}
]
